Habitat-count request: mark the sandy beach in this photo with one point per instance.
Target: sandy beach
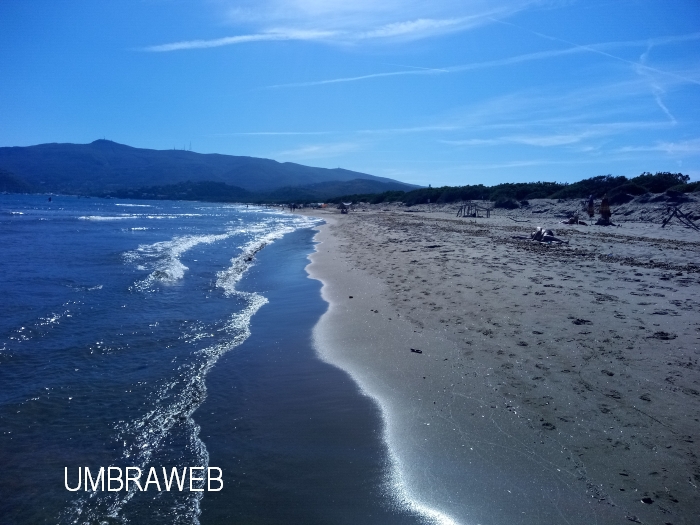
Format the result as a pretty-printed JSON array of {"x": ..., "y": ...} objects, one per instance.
[{"x": 523, "y": 382}]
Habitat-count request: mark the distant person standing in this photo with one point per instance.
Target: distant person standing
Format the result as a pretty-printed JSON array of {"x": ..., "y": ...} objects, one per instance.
[
  {"x": 605, "y": 212},
  {"x": 591, "y": 207}
]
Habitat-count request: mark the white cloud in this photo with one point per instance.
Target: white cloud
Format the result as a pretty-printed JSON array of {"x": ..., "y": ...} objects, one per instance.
[
  {"x": 242, "y": 39},
  {"x": 350, "y": 22},
  {"x": 413, "y": 129},
  {"x": 528, "y": 140},
  {"x": 684, "y": 147},
  {"x": 362, "y": 15},
  {"x": 355, "y": 78},
  {"x": 273, "y": 133},
  {"x": 319, "y": 151}
]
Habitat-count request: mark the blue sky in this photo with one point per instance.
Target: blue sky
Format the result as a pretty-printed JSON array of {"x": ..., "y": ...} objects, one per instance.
[{"x": 440, "y": 92}]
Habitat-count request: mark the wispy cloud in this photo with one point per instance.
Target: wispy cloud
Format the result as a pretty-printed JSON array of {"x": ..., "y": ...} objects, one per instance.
[
  {"x": 241, "y": 39},
  {"x": 473, "y": 142},
  {"x": 343, "y": 22},
  {"x": 412, "y": 129},
  {"x": 437, "y": 71},
  {"x": 272, "y": 133},
  {"x": 516, "y": 59},
  {"x": 684, "y": 147},
  {"x": 318, "y": 151},
  {"x": 564, "y": 139},
  {"x": 355, "y": 78},
  {"x": 411, "y": 29},
  {"x": 599, "y": 49}
]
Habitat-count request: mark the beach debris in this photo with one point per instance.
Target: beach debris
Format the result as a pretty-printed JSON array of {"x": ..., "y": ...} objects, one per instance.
[
  {"x": 542, "y": 235},
  {"x": 685, "y": 219},
  {"x": 416, "y": 351},
  {"x": 471, "y": 209},
  {"x": 663, "y": 336},
  {"x": 574, "y": 220}
]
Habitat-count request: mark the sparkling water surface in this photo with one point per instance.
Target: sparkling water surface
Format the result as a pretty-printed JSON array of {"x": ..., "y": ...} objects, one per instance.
[{"x": 163, "y": 333}]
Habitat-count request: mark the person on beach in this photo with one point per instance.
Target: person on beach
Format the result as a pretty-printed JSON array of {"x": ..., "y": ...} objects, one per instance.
[
  {"x": 605, "y": 212},
  {"x": 543, "y": 235},
  {"x": 591, "y": 207}
]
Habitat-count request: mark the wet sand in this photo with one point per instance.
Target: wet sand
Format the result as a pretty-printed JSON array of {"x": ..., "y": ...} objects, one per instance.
[{"x": 555, "y": 384}]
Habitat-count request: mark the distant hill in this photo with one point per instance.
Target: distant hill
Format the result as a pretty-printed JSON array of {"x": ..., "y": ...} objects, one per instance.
[
  {"x": 221, "y": 192},
  {"x": 106, "y": 167},
  {"x": 12, "y": 184}
]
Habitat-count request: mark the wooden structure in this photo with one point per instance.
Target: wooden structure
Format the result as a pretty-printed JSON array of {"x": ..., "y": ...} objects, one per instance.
[
  {"x": 472, "y": 209},
  {"x": 684, "y": 218}
]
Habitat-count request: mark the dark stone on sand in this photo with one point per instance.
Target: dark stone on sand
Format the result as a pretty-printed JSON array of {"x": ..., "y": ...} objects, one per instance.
[{"x": 664, "y": 336}]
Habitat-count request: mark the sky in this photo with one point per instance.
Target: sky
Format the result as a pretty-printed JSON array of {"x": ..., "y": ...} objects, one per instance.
[{"x": 441, "y": 92}]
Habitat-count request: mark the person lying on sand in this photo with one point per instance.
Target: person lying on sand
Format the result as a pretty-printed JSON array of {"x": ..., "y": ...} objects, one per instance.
[{"x": 542, "y": 235}]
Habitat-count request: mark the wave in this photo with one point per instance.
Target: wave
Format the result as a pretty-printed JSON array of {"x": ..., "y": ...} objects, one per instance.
[
  {"x": 176, "y": 400},
  {"x": 163, "y": 258},
  {"x": 106, "y": 217}
]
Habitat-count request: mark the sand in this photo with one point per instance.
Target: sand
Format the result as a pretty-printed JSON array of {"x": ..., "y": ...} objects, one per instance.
[{"x": 555, "y": 383}]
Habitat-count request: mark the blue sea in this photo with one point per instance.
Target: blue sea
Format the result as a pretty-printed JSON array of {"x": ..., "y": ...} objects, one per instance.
[{"x": 175, "y": 334}]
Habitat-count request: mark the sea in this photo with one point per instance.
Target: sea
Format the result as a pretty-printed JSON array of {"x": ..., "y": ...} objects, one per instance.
[{"x": 175, "y": 334}]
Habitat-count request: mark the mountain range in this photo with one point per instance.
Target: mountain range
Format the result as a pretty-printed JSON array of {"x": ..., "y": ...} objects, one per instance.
[{"x": 104, "y": 167}]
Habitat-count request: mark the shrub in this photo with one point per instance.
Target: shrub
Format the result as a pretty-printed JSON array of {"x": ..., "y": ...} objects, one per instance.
[
  {"x": 630, "y": 188},
  {"x": 685, "y": 188},
  {"x": 660, "y": 181},
  {"x": 620, "y": 198},
  {"x": 506, "y": 203}
]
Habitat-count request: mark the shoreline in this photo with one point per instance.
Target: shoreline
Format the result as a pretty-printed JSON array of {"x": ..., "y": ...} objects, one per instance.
[
  {"x": 551, "y": 417},
  {"x": 331, "y": 334}
]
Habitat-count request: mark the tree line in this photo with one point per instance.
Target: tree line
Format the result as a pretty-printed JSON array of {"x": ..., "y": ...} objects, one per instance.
[{"x": 509, "y": 195}]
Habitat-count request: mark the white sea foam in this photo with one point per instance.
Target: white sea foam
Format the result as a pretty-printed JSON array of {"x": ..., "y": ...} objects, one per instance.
[
  {"x": 178, "y": 398},
  {"x": 106, "y": 217},
  {"x": 135, "y": 205},
  {"x": 163, "y": 258},
  {"x": 175, "y": 402},
  {"x": 396, "y": 486}
]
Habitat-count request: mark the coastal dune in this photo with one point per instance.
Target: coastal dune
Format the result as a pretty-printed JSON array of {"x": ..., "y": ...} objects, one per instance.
[{"x": 521, "y": 382}]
